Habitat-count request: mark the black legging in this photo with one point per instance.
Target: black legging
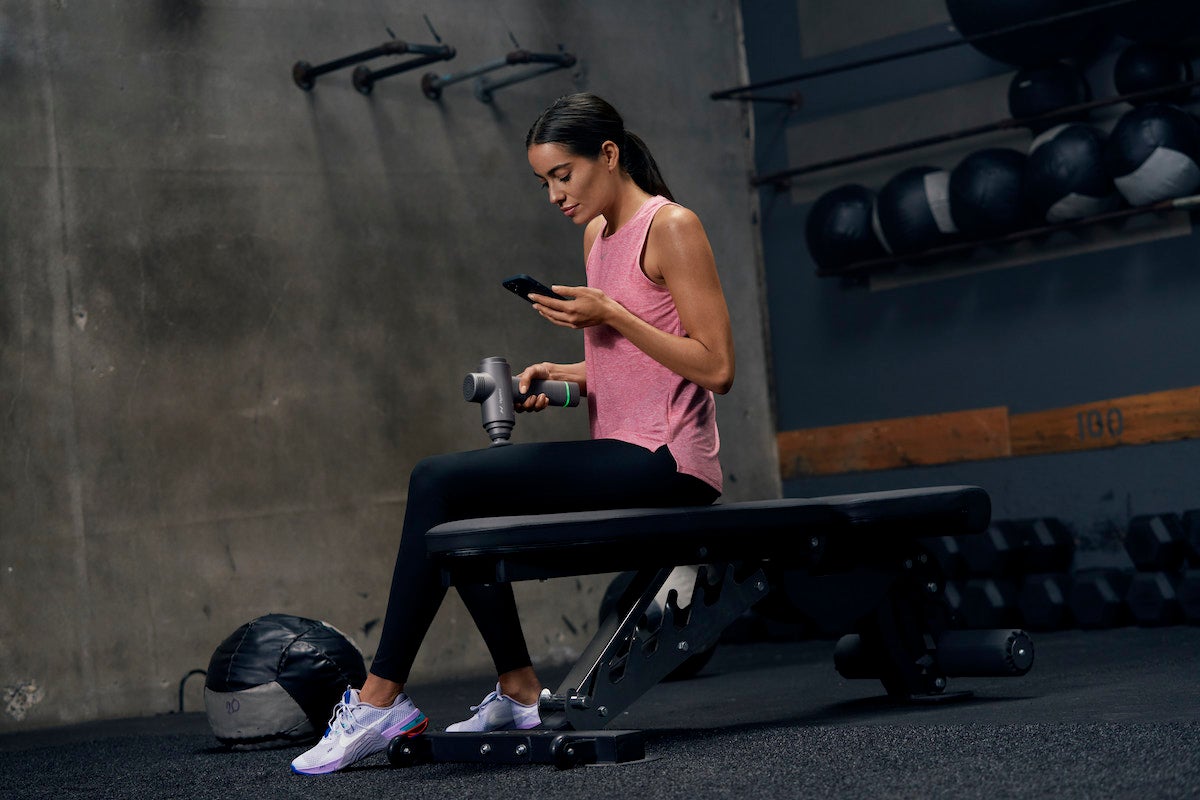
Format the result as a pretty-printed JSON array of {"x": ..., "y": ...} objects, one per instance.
[{"x": 516, "y": 479}]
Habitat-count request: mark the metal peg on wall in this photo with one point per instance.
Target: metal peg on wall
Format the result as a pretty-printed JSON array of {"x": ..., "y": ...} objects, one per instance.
[
  {"x": 305, "y": 74},
  {"x": 432, "y": 83}
]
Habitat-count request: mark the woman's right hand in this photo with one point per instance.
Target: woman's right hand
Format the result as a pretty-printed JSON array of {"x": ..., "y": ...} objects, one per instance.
[{"x": 533, "y": 372}]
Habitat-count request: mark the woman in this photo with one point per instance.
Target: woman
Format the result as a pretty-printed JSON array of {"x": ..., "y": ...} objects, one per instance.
[{"x": 657, "y": 345}]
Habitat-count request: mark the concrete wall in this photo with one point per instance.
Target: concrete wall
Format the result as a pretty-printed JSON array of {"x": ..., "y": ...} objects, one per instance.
[
  {"x": 1048, "y": 333},
  {"x": 234, "y": 314}
]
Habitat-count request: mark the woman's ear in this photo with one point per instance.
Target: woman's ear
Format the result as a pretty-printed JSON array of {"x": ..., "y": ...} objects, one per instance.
[{"x": 611, "y": 155}]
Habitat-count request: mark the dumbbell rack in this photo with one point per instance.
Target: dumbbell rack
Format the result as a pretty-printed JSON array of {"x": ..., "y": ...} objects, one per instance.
[{"x": 999, "y": 579}]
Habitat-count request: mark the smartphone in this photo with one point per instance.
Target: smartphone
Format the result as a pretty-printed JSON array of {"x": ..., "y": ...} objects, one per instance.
[{"x": 523, "y": 286}]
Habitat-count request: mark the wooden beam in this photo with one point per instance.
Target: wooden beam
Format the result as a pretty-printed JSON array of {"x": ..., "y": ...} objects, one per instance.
[
  {"x": 888, "y": 444},
  {"x": 1139, "y": 419},
  {"x": 932, "y": 439}
]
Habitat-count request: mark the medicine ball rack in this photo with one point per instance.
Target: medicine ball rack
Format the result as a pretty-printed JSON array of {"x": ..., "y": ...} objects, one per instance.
[
  {"x": 782, "y": 180},
  {"x": 739, "y": 92},
  {"x": 925, "y": 261},
  {"x": 863, "y": 268}
]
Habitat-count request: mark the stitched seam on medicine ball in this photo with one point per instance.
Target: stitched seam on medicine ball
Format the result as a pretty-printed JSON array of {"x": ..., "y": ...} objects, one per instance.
[
  {"x": 233, "y": 656},
  {"x": 286, "y": 651}
]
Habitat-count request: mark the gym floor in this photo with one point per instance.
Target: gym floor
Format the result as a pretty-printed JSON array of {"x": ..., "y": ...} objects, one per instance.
[{"x": 1102, "y": 714}]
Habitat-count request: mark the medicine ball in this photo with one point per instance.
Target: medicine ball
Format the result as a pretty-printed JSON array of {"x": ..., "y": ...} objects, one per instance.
[
  {"x": 985, "y": 192},
  {"x": 275, "y": 680},
  {"x": 1153, "y": 154},
  {"x": 1037, "y": 44},
  {"x": 839, "y": 230},
  {"x": 1046, "y": 88},
  {"x": 1155, "y": 21},
  {"x": 912, "y": 211},
  {"x": 1065, "y": 176},
  {"x": 1142, "y": 67}
]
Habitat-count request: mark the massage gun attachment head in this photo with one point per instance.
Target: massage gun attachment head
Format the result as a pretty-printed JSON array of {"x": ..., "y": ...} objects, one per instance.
[{"x": 491, "y": 387}]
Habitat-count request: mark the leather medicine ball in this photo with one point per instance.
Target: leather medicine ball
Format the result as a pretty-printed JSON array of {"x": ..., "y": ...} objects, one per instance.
[
  {"x": 912, "y": 211},
  {"x": 1153, "y": 154},
  {"x": 1155, "y": 21},
  {"x": 1065, "y": 176},
  {"x": 1142, "y": 67},
  {"x": 275, "y": 680},
  {"x": 1046, "y": 88},
  {"x": 1037, "y": 44},
  {"x": 985, "y": 192},
  {"x": 839, "y": 230}
]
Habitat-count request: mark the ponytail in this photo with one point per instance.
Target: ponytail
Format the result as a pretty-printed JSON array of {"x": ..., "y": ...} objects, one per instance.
[
  {"x": 582, "y": 123},
  {"x": 641, "y": 166}
]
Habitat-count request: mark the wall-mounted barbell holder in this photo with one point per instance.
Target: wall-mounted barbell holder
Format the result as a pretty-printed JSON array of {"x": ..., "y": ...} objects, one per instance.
[
  {"x": 305, "y": 74},
  {"x": 432, "y": 83}
]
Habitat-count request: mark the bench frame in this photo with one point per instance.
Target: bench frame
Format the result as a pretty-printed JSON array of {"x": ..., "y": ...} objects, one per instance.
[{"x": 866, "y": 549}]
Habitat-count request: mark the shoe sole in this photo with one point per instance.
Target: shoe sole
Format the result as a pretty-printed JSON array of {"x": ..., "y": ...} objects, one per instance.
[{"x": 413, "y": 726}]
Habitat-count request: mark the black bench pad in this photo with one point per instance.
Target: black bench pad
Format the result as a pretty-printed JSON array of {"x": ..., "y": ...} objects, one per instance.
[{"x": 809, "y": 530}]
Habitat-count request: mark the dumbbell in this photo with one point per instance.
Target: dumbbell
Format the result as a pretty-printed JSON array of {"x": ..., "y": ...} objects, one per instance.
[
  {"x": 1042, "y": 600},
  {"x": 1017, "y": 547},
  {"x": 1164, "y": 592},
  {"x": 1046, "y": 545},
  {"x": 1188, "y": 592},
  {"x": 1191, "y": 535},
  {"x": 993, "y": 552},
  {"x": 1156, "y": 542},
  {"x": 1153, "y": 598},
  {"x": 989, "y": 603},
  {"x": 1096, "y": 598},
  {"x": 947, "y": 552}
]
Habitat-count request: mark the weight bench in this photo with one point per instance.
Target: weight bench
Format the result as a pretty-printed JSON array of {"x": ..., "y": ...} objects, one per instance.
[{"x": 860, "y": 556}]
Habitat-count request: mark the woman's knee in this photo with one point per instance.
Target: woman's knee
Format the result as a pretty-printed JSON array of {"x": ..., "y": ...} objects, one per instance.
[{"x": 430, "y": 473}]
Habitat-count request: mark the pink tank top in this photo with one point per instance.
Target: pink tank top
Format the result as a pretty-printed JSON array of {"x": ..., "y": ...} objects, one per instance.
[{"x": 631, "y": 397}]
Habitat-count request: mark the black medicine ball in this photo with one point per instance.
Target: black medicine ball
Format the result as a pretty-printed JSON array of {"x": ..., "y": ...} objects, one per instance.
[
  {"x": 1037, "y": 44},
  {"x": 1065, "y": 176},
  {"x": 275, "y": 680},
  {"x": 912, "y": 211},
  {"x": 986, "y": 194},
  {"x": 1155, "y": 21},
  {"x": 1046, "y": 88},
  {"x": 839, "y": 231},
  {"x": 1142, "y": 67},
  {"x": 1153, "y": 154}
]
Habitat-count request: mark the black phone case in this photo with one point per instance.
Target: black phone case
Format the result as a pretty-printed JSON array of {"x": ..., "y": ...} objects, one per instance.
[{"x": 522, "y": 285}]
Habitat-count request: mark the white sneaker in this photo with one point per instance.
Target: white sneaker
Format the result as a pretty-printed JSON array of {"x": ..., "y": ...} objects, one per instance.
[
  {"x": 357, "y": 730},
  {"x": 499, "y": 712}
]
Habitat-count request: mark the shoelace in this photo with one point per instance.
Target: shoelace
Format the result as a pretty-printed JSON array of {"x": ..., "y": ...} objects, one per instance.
[
  {"x": 343, "y": 717},
  {"x": 492, "y": 697}
]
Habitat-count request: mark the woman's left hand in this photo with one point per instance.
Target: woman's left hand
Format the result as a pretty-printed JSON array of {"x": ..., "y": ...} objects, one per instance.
[{"x": 587, "y": 308}]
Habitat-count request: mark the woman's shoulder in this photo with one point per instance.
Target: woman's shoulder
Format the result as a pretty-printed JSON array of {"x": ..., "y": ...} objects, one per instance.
[{"x": 673, "y": 220}]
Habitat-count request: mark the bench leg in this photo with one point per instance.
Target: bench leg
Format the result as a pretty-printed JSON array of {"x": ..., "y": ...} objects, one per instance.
[
  {"x": 905, "y": 644},
  {"x": 623, "y": 661}
]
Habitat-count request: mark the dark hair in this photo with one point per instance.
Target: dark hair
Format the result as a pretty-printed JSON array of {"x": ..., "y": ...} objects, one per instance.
[{"x": 582, "y": 123}]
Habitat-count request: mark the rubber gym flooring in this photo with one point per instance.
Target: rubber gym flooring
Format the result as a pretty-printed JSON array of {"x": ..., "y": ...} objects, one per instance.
[{"x": 1102, "y": 714}]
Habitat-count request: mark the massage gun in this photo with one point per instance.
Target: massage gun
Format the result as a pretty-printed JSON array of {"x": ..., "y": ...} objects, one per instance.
[{"x": 496, "y": 390}]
